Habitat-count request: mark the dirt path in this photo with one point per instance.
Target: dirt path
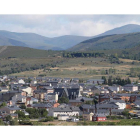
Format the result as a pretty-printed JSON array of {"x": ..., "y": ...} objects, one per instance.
[
  {"x": 2, "y": 49},
  {"x": 59, "y": 123}
]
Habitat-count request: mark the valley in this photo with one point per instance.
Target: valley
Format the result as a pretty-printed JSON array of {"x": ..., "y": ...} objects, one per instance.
[{"x": 113, "y": 53}]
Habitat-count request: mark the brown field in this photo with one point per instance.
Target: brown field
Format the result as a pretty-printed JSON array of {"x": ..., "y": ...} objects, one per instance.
[
  {"x": 128, "y": 60},
  {"x": 64, "y": 123},
  {"x": 56, "y": 123},
  {"x": 83, "y": 68}
]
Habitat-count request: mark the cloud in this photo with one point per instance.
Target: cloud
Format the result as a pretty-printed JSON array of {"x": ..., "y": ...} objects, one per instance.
[{"x": 58, "y": 25}]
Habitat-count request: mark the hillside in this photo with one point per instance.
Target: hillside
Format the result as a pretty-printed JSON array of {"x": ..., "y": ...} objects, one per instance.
[
  {"x": 25, "y": 52},
  {"x": 129, "y": 28},
  {"x": 134, "y": 50},
  {"x": 33, "y": 40},
  {"x": 108, "y": 42}
]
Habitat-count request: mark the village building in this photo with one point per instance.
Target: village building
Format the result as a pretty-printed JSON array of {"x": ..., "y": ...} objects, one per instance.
[
  {"x": 75, "y": 102},
  {"x": 10, "y": 109},
  {"x": 95, "y": 81},
  {"x": 55, "y": 112},
  {"x": 99, "y": 117},
  {"x": 51, "y": 97},
  {"x": 87, "y": 116},
  {"x": 131, "y": 87},
  {"x": 46, "y": 106}
]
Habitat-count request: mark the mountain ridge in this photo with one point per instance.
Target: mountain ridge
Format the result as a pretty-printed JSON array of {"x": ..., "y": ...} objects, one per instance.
[
  {"x": 64, "y": 42},
  {"x": 34, "y": 40},
  {"x": 117, "y": 41}
]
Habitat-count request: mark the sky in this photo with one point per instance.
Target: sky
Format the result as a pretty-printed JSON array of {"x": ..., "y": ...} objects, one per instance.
[{"x": 59, "y": 25}]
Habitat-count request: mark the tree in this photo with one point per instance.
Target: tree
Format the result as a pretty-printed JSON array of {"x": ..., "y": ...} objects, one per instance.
[
  {"x": 23, "y": 107},
  {"x": 128, "y": 81},
  {"x": 125, "y": 113},
  {"x": 36, "y": 113},
  {"x": 63, "y": 100},
  {"x": 114, "y": 81},
  {"x": 28, "y": 80},
  {"x": 21, "y": 114},
  {"x": 1, "y": 122},
  {"x": 95, "y": 102},
  {"x": 88, "y": 102},
  {"x": 104, "y": 78},
  {"x": 3, "y": 104},
  {"x": 8, "y": 118},
  {"x": 110, "y": 82},
  {"x": 123, "y": 82},
  {"x": 14, "y": 122},
  {"x": 116, "y": 55},
  {"x": 43, "y": 112},
  {"x": 48, "y": 118}
]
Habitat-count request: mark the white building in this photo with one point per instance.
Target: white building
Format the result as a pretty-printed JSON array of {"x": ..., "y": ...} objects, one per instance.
[
  {"x": 28, "y": 90},
  {"x": 55, "y": 112},
  {"x": 3, "y": 89},
  {"x": 21, "y": 81},
  {"x": 34, "y": 82},
  {"x": 120, "y": 103},
  {"x": 63, "y": 117},
  {"x": 130, "y": 87}
]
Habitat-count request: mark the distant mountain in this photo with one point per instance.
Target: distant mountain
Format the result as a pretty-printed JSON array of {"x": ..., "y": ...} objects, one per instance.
[
  {"x": 129, "y": 28},
  {"x": 36, "y": 41},
  {"x": 33, "y": 40},
  {"x": 108, "y": 42}
]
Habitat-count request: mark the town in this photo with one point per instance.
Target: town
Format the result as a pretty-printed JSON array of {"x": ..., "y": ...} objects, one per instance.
[{"x": 28, "y": 100}]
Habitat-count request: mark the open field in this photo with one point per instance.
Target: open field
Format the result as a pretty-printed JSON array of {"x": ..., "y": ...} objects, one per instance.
[
  {"x": 120, "y": 122},
  {"x": 65, "y": 123},
  {"x": 23, "y": 61},
  {"x": 128, "y": 60},
  {"x": 116, "y": 122},
  {"x": 80, "y": 67},
  {"x": 56, "y": 123}
]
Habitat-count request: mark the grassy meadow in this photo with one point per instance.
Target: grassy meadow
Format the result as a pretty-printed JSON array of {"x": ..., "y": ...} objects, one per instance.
[
  {"x": 24, "y": 61},
  {"x": 83, "y": 68}
]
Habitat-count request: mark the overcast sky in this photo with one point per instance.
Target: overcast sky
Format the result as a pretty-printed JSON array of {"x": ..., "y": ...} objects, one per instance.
[{"x": 58, "y": 25}]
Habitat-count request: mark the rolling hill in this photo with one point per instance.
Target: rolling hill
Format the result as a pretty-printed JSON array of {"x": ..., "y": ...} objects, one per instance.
[
  {"x": 109, "y": 42},
  {"x": 33, "y": 40},
  {"x": 36, "y": 41},
  {"x": 25, "y": 52}
]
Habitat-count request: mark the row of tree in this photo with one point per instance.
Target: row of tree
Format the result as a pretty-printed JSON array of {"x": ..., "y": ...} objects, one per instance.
[
  {"x": 82, "y": 54},
  {"x": 117, "y": 80},
  {"x": 127, "y": 55},
  {"x": 114, "y": 59}
]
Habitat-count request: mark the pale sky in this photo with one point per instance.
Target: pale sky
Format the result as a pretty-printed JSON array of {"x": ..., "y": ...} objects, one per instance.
[{"x": 59, "y": 25}]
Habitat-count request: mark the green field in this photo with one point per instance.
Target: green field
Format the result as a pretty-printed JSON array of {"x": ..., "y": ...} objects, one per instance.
[
  {"x": 23, "y": 61},
  {"x": 83, "y": 68},
  {"x": 120, "y": 122}
]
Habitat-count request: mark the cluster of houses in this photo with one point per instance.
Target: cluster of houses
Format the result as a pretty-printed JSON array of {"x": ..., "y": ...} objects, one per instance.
[{"x": 45, "y": 92}]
